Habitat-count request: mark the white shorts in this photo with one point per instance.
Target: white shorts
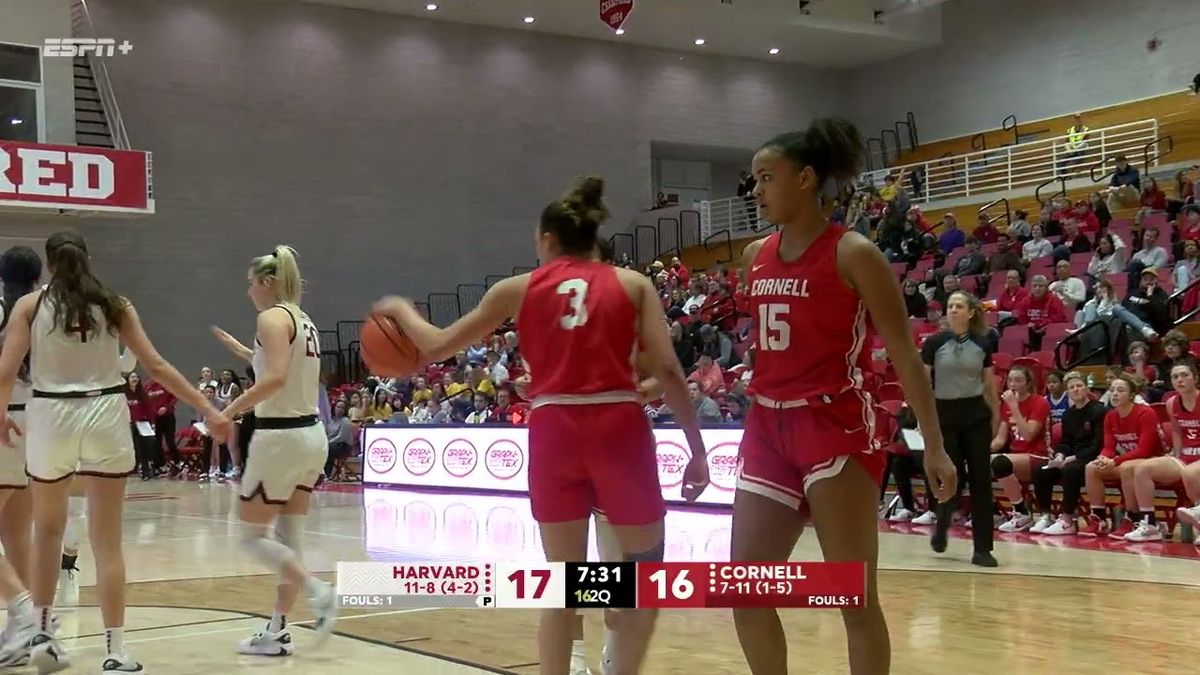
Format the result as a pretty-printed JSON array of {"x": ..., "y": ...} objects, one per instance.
[
  {"x": 12, "y": 460},
  {"x": 88, "y": 436},
  {"x": 281, "y": 461}
]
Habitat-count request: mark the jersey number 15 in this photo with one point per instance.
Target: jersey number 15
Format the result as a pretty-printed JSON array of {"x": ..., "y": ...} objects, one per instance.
[{"x": 774, "y": 333}]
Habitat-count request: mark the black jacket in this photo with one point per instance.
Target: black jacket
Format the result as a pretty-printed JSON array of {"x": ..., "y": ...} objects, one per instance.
[{"x": 1082, "y": 432}]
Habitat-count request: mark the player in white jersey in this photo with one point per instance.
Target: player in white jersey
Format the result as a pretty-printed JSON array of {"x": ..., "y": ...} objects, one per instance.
[
  {"x": 288, "y": 448},
  {"x": 20, "y": 267},
  {"x": 78, "y": 425}
]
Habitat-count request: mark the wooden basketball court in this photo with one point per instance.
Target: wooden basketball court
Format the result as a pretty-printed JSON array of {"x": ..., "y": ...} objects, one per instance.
[{"x": 1050, "y": 607}]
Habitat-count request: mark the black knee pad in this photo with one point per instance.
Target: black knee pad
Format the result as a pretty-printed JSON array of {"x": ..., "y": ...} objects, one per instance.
[
  {"x": 1001, "y": 467},
  {"x": 653, "y": 555}
]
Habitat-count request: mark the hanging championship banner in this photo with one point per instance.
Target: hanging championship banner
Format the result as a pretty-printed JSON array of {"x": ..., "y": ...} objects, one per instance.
[{"x": 614, "y": 12}]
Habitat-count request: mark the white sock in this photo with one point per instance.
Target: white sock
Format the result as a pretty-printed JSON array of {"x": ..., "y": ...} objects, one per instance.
[
  {"x": 609, "y": 655},
  {"x": 314, "y": 586},
  {"x": 20, "y": 609},
  {"x": 278, "y": 622},
  {"x": 114, "y": 638},
  {"x": 76, "y": 515},
  {"x": 577, "y": 649},
  {"x": 43, "y": 616}
]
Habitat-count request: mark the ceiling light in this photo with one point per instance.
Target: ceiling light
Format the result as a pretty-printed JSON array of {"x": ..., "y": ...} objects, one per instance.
[
  {"x": 529, "y": 19},
  {"x": 620, "y": 31},
  {"x": 15, "y": 121},
  {"x": 699, "y": 41},
  {"x": 774, "y": 51},
  {"x": 431, "y": 7}
]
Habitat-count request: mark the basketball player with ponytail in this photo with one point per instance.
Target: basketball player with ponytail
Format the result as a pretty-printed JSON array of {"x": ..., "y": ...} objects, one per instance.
[
  {"x": 591, "y": 447},
  {"x": 809, "y": 446},
  {"x": 20, "y": 267},
  {"x": 78, "y": 425},
  {"x": 288, "y": 448}
]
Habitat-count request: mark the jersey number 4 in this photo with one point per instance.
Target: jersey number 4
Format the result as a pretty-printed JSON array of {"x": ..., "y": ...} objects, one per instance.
[
  {"x": 774, "y": 333},
  {"x": 577, "y": 290},
  {"x": 312, "y": 341}
]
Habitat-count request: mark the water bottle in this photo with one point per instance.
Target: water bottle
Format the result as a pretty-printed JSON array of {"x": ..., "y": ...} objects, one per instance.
[{"x": 1091, "y": 381}]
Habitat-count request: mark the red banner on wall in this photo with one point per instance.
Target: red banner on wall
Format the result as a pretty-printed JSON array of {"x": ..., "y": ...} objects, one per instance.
[
  {"x": 39, "y": 176},
  {"x": 614, "y": 12}
]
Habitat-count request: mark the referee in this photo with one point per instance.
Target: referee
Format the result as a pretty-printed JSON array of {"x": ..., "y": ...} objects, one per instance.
[{"x": 959, "y": 361}]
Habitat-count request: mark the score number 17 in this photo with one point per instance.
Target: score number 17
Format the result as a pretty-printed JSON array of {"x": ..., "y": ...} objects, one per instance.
[{"x": 518, "y": 579}]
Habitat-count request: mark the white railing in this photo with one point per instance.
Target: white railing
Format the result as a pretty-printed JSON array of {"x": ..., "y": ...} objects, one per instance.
[
  {"x": 979, "y": 176},
  {"x": 82, "y": 26},
  {"x": 1019, "y": 167}
]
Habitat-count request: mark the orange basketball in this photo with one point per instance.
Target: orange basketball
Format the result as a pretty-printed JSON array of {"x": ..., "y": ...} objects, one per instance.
[{"x": 386, "y": 350}]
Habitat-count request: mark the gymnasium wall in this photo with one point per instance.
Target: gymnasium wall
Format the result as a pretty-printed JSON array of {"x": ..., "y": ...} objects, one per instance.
[
  {"x": 396, "y": 154},
  {"x": 1030, "y": 58},
  {"x": 30, "y": 22}
]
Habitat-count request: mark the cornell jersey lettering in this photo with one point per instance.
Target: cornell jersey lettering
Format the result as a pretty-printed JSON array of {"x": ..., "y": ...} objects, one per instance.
[
  {"x": 811, "y": 328},
  {"x": 298, "y": 397},
  {"x": 575, "y": 306}
]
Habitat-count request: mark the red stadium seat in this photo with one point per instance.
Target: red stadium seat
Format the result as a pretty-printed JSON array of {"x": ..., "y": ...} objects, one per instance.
[
  {"x": 1001, "y": 362},
  {"x": 1038, "y": 370},
  {"x": 1013, "y": 341},
  {"x": 1055, "y": 434},
  {"x": 890, "y": 391},
  {"x": 1160, "y": 409}
]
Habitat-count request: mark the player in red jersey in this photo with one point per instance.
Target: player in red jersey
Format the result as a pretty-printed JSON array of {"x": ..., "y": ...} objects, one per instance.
[
  {"x": 809, "y": 439},
  {"x": 590, "y": 445},
  {"x": 1021, "y": 443},
  {"x": 1181, "y": 465}
]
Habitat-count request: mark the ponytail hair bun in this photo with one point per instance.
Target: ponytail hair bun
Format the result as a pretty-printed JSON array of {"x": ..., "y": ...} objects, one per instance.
[
  {"x": 576, "y": 218},
  {"x": 832, "y": 146}
]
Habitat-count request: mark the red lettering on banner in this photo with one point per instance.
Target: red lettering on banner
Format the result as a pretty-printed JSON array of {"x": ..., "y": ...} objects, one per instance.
[
  {"x": 614, "y": 12},
  {"x": 70, "y": 177}
]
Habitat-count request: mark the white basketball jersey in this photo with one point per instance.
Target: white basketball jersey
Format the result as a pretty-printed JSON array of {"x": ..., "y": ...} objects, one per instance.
[
  {"x": 298, "y": 397},
  {"x": 64, "y": 359},
  {"x": 21, "y": 390}
]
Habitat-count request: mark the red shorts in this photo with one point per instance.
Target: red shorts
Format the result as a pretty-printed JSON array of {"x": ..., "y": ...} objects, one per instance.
[
  {"x": 786, "y": 450},
  {"x": 595, "y": 457}
]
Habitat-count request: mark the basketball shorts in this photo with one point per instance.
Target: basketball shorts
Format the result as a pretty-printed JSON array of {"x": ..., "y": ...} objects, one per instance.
[
  {"x": 88, "y": 436},
  {"x": 12, "y": 460},
  {"x": 281, "y": 461},
  {"x": 595, "y": 457},
  {"x": 785, "y": 450}
]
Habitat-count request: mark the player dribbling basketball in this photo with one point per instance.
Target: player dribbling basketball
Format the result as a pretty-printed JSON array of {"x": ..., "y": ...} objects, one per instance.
[
  {"x": 287, "y": 450},
  {"x": 590, "y": 444},
  {"x": 78, "y": 425}
]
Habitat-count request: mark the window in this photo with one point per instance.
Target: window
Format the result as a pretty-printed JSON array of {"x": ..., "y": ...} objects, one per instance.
[{"x": 21, "y": 96}]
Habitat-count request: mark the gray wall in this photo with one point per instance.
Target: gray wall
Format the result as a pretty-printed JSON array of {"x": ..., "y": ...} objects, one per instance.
[
  {"x": 30, "y": 22},
  {"x": 396, "y": 154},
  {"x": 1031, "y": 58}
]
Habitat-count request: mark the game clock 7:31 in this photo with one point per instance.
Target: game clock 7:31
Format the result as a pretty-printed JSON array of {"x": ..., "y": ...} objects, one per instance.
[{"x": 602, "y": 585}]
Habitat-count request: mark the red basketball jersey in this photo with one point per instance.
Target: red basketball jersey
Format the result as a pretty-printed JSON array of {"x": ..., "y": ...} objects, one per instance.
[
  {"x": 1188, "y": 423},
  {"x": 811, "y": 328},
  {"x": 1033, "y": 409},
  {"x": 578, "y": 329}
]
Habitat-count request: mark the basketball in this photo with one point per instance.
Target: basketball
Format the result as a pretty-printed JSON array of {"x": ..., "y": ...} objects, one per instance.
[{"x": 386, "y": 350}]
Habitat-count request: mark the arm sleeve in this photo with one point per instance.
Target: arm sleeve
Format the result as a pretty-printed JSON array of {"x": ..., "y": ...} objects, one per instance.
[
  {"x": 1149, "y": 441},
  {"x": 929, "y": 349},
  {"x": 1110, "y": 440}
]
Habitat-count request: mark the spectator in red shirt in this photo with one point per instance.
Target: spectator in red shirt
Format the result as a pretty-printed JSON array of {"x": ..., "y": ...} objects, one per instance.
[
  {"x": 984, "y": 231},
  {"x": 708, "y": 375},
  {"x": 1039, "y": 309},
  {"x": 1012, "y": 295},
  {"x": 504, "y": 410},
  {"x": 162, "y": 409},
  {"x": 1190, "y": 228},
  {"x": 931, "y": 325},
  {"x": 1153, "y": 199},
  {"x": 1131, "y": 434},
  {"x": 679, "y": 270},
  {"x": 139, "y": 412}
]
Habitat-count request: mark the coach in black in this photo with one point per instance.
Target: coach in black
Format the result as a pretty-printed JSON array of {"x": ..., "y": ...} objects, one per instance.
[{"x": 959, "y": 361}]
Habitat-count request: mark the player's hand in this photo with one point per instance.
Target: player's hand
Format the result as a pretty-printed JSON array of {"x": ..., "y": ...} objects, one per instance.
[
  {"x": 162, "y": 411},
  {"x": 649, "y": 390},
  {"x": 695, "y": 476},
  {"x": 220, "y": 427},
  {"x": 521, "y": 386},
  {"x": 7, "y": 428},
  {"x": 393, "y": 306},
  {"x": 941, "y": 474}
]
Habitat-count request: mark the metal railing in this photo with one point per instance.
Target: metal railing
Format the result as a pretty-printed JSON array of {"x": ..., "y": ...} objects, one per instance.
[
  {"x": 82, "y": 26},
  {"x": 1074, "y": 342},
  {"x": 1027, "y": 165}
]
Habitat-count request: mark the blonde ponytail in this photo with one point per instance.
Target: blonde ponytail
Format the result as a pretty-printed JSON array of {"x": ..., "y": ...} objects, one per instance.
[{"x": 281, "y": 267}]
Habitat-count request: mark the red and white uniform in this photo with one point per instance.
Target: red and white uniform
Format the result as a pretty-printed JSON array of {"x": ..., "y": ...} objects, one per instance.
[
  {"x": 1134, "y": 436},
  {"x": 1033, "y": 409},
  {"x": 590, "y": 444},
  {"x": 812, "y": 414},
  {"x": 1188, "y": 424}
]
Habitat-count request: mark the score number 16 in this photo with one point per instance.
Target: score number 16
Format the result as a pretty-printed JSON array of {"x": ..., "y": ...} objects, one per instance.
[{"x": 681, "y": 588}]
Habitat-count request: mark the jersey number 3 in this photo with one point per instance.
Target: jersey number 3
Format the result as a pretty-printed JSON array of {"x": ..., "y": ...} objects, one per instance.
[
  {"x": 577, "y": 290},
  {"x": 312, "y": 341},
  {"x": 774, "y": 333}
]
